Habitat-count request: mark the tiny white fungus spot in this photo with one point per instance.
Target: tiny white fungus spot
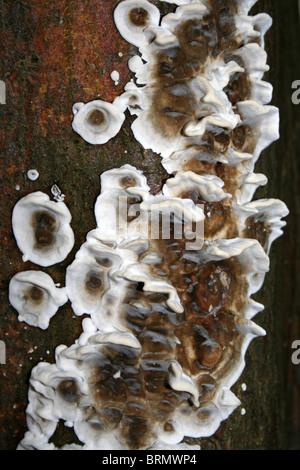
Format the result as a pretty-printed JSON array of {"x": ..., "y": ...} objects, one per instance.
[
  {"x": 33, "y": 175},
  {"x": 115, "y": 76}
]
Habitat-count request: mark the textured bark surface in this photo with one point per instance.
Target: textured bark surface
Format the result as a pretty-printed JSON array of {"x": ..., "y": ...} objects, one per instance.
[{"x": 54, "y": 54}]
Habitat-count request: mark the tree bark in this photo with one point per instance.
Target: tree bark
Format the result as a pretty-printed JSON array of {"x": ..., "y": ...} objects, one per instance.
[{"x": 54, "y": 54}]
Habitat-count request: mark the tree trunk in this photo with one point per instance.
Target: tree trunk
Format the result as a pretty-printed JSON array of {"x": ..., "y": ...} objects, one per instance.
[{"x": 54, "y": 54}]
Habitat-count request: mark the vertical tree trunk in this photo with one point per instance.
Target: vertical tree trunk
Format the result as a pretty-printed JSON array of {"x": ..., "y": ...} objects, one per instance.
[{"x": 54, "y": 54}]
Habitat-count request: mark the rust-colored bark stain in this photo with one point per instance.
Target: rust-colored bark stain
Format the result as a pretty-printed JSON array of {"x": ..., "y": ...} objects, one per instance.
[{"x": 54, "y": 54}]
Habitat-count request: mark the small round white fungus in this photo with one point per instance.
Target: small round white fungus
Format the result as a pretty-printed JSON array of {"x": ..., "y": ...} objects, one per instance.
[
  {"x": 98, "y": 121},
  {"x": 33, "y": 175},
  {"x": 115, "y": 76}
]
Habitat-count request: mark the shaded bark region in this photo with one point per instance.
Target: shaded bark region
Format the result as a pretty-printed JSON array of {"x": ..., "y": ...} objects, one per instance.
[
  {"x": 272, "y": 400},
  {"x": 55, "y": 54}
]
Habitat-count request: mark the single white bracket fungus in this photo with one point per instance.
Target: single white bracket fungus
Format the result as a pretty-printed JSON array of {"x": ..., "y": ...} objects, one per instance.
[
  {"x": 115, "y": 76},
  {"x": 35, "y": 297},
  {"x": 42, "y": 229},
  {"x": 133, "y": 17},
  {"x": 97, "y": 122},
  {"x": 33, "y": 175}
]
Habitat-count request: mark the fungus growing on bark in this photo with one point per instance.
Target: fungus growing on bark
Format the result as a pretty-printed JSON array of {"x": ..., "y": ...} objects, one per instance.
[
  {"x": 133, "y": 18},
  {"x": 42, "y": 229},
  {"x": 35, "y": 297},
  {"x": 33, "y": 175},
  {"x": 97, "y": 122},
  {"x": 169, "y": 321}
]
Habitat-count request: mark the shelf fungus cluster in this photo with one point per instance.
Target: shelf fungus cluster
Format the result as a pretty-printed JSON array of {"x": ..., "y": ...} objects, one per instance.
[{"x": 166, "y": 281}]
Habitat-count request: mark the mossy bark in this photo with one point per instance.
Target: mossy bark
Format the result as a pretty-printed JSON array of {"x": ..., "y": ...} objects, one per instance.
[{"x": 55, "y": 54}]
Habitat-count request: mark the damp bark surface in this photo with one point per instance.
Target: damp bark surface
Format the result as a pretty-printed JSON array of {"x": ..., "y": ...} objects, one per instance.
[{"x": 55, "y": 54}]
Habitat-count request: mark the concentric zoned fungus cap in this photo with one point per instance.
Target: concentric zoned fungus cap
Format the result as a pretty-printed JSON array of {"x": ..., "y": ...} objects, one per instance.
[
  {"x": 42, "y": 229},
  {"x": 35, "y": 297},
  {"x": 97, "y": 122},
  {"x": 133, "y": 17}
]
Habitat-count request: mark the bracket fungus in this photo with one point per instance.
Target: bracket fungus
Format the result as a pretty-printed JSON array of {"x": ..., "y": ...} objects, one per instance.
[
  {"x": 133, "y": 18},
  {"x": 33, "y": 175},
  {"x": 168, "y": 322},
  {"x": 42, "y": 229},
  {"x": 35, "y": 297},
  {"x": 97, "y": 121}
]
